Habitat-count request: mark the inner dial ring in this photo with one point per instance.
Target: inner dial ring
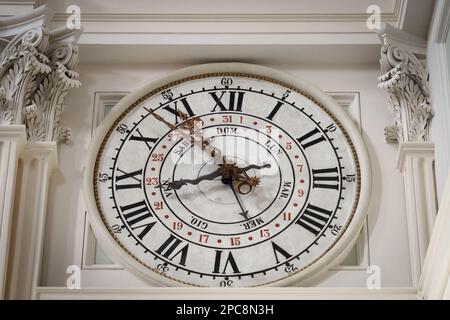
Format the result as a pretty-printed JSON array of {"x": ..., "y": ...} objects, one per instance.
[{"x": 181, "y": 216}]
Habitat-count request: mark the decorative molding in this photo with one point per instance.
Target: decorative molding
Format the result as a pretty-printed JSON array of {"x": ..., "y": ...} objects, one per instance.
[
  {"x": 14, "y": 25},
  {"x": 406, "y": 80},
  {"x": 394, "y": 16},
  {"x": 415, "y": 161},
  {"x": 12, "y": 140},
  {"x": 435, "y": 278},
  {"x": 102, "y": 102},
  {"x": 438, "y": 66},
  {"x": 261, "y": 293},
  {"x": 38, "y": 160}
]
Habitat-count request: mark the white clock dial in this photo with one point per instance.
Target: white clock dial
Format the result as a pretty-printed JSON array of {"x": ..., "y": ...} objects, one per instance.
[{"x": 166, "y": 206}]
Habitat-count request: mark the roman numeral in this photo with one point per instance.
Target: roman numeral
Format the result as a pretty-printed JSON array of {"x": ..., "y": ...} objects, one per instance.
[
  {"x": 175, "y": 109},
  {"x": 326, "y": 178},
  {"x": 278, "y": 250},
  {"x": 311, "y": 138},
  {"x": 314, "y": 219},
  {"x": 134, "y": 214},
  {"x": 146, "y": 140},
  {"x": 169, "y": 246},
  {"x": 135, "y": 175},
  {"x": 234, "y": 103},
  {"x": 275, "y": 110},
  {"x": 229, "y": 262}
]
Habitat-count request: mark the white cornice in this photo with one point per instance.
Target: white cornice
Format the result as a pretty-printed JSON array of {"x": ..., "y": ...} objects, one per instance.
[
  {"x": 229, "y": 38},
  {"x": 38, "y": 17},
  {"x": 395, "y": 17},
  {"x": 63, "y": 33},
  {"x": 391, "y": 35},
  {"x": 110, "y": 17}
]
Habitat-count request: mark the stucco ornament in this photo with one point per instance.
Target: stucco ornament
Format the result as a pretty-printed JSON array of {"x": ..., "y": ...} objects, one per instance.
[
  {"x": 406, "y": 80},
  {"x": 36, "y": 72},
  {"x": 21, "y": 64}
]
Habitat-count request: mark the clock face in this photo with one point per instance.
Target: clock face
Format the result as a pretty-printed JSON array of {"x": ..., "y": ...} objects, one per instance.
[{"x": 225, "y": 179}]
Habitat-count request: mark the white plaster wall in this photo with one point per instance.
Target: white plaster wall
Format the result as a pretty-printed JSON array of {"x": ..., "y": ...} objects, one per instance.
[{"x": 388, "y": 242}]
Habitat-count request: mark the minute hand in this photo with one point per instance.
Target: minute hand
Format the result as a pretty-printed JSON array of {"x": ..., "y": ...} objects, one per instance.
[{"x": 177, "y": 184}]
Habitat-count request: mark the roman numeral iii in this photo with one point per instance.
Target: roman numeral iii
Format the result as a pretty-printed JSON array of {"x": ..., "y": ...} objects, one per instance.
[{"x": 326, "y": 178}]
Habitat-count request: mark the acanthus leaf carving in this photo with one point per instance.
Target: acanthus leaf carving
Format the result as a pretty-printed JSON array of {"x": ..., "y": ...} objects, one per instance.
[
  {"x": 36, "y": 72},
  {"x": 406, "y": 80},
  {"x": 33, "y": 122},
  {"x": 20, "y": 63}
]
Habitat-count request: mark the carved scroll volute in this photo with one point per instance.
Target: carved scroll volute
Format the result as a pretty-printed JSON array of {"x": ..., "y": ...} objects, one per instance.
[
  {"x": 21, "y": 62},
  {"x": 43, "y": 116},
  {"x": 406, "y": 80}
]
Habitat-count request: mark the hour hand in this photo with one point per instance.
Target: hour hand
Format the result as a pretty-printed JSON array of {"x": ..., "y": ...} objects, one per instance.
[{"x": 177, "y": 184}]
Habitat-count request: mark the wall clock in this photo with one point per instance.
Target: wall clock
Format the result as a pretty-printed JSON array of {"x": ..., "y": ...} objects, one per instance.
[{"x": 227, "y": 175}]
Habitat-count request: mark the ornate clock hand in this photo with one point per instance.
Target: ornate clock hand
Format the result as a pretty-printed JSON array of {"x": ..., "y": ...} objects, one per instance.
[
  {"x": 177, "y": 184},
  {"x": 241, "y": 177},
  {"x": 195, "y": 137}
]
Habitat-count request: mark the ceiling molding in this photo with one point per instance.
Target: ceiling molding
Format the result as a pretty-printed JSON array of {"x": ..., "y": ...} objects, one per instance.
[
  {"x": 135, "y": 17},
  {"x": 394, "y": 17}
]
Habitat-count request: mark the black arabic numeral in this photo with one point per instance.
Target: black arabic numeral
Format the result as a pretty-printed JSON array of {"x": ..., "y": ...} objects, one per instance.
[
  {"x": 286, "y": 94},
  {"x": 226, "y": 283},
  {"x": 335, "y": 230},
  {"x": 116, "y": 228},
  {"x": 331, "y": 128},
  {"x": 350, "y": 178},
  {"x": 122, "y": 128},
  {"x": 167, "y": 94},
  {"x": 226, "y": 81},
  {"x": 103, "y": 177}
]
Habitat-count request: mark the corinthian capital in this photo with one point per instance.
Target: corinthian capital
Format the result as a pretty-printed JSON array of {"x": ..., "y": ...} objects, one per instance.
[
  {"x": 43, "y": 115},
  {"x": 23, "y": 59},
  {"x": 406, "y": 80},
  {"x": 36, "y": 72}
]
